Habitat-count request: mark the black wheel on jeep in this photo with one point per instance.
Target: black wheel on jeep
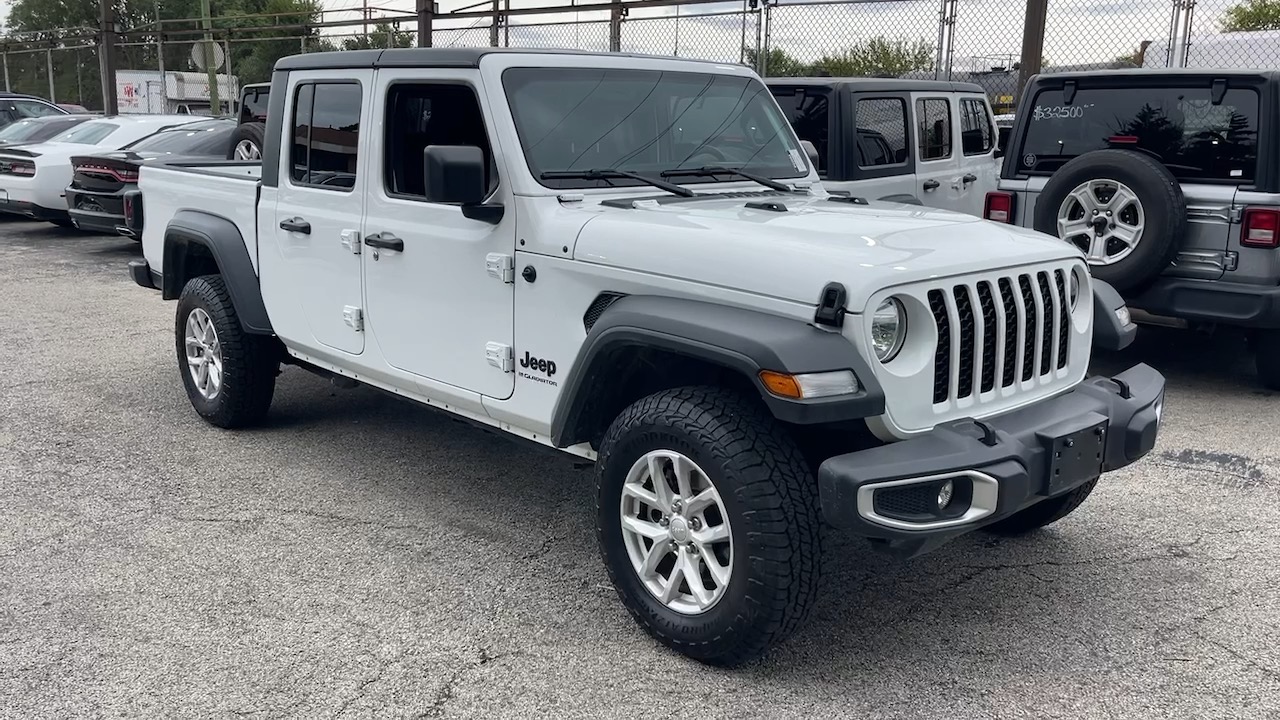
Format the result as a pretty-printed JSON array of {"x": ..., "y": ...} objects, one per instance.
[
  {"x": 1122, "y": 208},
  {"x": 708, "y": 522},
  {"x": 1266, "y": 349},
  {"x": 247, "y": 141},
  {"x": 1042, "y": 513},
  {"x": 230, "y": 375}
]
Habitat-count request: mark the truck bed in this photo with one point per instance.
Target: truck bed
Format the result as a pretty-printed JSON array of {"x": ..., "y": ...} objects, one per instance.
[{"x": 170, "y": 188}]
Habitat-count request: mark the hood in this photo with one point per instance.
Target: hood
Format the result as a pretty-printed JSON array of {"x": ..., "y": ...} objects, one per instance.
[{"x": 791, "y": 249}]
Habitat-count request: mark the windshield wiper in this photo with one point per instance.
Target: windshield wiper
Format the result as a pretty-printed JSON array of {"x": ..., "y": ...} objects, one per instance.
[
  {"x": 713, "y": 170},
  {"x": 610, "y": 173}
]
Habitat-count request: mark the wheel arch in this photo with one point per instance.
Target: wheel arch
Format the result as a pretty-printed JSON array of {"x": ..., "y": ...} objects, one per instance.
[
  {"x": 643, "y": 344},
  {"x": 198, "y": 243}
]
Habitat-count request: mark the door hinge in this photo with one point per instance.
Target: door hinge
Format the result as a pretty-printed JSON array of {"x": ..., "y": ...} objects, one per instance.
[
  {"x": 353, "y": 317},
  {"x": 500, "y": 266},
  {"x": 500, "y": 356},
  {"x": 351, "y": 240}
]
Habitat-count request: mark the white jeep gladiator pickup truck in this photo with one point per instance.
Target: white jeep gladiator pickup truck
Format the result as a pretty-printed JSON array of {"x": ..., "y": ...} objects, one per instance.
[{"x": 538, "y": 242}]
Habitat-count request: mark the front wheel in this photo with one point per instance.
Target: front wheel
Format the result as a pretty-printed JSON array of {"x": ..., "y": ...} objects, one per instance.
[
  {"x": 709, "y": 523},
  {"x": 1042, "y": 513},
  {"x": 229, "y": 375}
]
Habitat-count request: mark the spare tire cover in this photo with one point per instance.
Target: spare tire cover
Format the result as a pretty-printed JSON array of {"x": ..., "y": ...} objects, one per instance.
[{"x": 1123, "y": 209}]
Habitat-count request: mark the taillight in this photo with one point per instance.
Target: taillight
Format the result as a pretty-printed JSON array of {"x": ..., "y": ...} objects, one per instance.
[
  {"x": 998, "y": 207},
  {"x": 133, "y": 210},
  {"x": 121, "y": 174},
  {"x": 23, "y": 168},
  {"x": 1260, "y": 228}
]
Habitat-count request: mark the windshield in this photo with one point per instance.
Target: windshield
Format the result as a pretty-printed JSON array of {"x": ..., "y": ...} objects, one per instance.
[
  {"x": 199, "y": 138},
  {"x": 648, "y": 122},
  {"x": 90, "y": 133},
  {"x": 1195, "y": 138}
]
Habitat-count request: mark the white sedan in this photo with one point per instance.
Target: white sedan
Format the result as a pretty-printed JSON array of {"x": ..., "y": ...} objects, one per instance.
[{"x": 34, "y": 178}]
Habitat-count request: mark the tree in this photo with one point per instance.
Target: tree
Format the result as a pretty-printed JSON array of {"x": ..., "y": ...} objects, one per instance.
[
  {"x": 383, "y": 36},
  {"x": 1252, "y": 15},
  {"x": 879, "y": 57},
  {"x": 778, "y": 63}
]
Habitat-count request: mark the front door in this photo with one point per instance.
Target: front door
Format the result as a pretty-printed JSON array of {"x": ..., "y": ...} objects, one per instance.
[
  {"x": 939, "y": 179},
  {"x": 439, "y": 306},
  {"x": 315, "y": 292}
]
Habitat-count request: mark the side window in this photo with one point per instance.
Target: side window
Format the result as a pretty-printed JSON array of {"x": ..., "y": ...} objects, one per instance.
[
  {"x": 419, "y": 115},
  {"x": 975, "y": 127},
  {"x": 326, "y": 135},
  {"x": 934, "y": 118},
  {"x": 26, "y": 108},
  {"x": 881, "y": 132},
  {"x": 807, "y": 111}
]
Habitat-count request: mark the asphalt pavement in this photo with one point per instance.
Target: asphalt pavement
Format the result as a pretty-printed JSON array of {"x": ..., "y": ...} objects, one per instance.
[{"x": 364, "y": 557}]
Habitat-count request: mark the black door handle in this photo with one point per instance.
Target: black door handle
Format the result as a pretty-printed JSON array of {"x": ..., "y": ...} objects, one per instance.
[
  {"x": 296, "y": 224},
  {"x": 386, "y": 241},
  {"x": 970, "y": 177},
  {"x": 931, "y": 184}
]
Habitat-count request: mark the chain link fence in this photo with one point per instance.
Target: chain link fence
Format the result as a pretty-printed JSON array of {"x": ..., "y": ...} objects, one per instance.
[{"x": 968, "y": 40}]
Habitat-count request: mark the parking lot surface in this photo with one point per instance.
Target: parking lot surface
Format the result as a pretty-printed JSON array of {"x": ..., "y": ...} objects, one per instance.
[{"x": 362, "y": 557}]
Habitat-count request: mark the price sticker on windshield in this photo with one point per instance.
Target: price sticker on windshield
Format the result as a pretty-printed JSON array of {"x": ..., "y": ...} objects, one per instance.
[{"x": 797, "y": 160}]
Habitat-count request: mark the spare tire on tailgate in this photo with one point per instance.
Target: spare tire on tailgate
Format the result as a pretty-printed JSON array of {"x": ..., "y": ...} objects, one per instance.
[
  {"x": 1122, "y": 208},
  {"x": 246, "y": 141}
]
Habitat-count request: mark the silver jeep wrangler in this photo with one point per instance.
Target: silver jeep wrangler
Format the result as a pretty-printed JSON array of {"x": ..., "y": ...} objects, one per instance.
[{"x": 1169, "y": 184}]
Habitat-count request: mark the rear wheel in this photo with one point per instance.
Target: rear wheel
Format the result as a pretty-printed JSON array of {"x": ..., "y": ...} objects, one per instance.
[
  {"x": 229, "y": 375},
  {"x": 709, "y": 524},
  {"x": 1266, "y": 348}
]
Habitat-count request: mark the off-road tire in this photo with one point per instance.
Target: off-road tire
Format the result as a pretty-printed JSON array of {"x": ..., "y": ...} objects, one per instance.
[
  {"x": 771, "y": 501},
  {"x": 250, "y": 362},
  {"x": 1162, "y": 201},
  {"x": 1043, "y": 513},
  {"x": 1266, "y": 357},
  {"x": 254, "y": 132}
]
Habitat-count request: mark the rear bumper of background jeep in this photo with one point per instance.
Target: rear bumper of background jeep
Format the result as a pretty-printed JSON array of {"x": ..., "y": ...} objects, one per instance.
[
  {"x": 995, "y": 467},
  {"x": 1214, "y": 301}
]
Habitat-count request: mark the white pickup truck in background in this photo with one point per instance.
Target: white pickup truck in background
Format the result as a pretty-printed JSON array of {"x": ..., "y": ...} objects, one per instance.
[{"x": 630, "y": 259}]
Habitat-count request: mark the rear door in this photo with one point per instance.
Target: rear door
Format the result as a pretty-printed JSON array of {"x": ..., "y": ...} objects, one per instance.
[
  {"x": 939, "y": 178},
  {"x": 978, "y": 152},
  {"x": 315, "y": 289}
]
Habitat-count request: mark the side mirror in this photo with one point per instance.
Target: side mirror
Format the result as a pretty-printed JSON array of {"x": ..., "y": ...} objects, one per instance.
[
  {"x": 1002, "y": 140},
  {"x": 811, "y": 151},
  {"x": 455, "y": 174}
]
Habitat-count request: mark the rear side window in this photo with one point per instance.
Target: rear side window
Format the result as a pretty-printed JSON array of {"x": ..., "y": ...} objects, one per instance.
[
  {"x": 32, "y": 109},
  {"x": 934, "y": 117},
  {"x": 882, "y": 132},
  {"x": 808, "y": 111},
  {"x": 975, "y": 127},
  {"x": 326, "y": 135},
  {"x": 1194, "y": 138}
]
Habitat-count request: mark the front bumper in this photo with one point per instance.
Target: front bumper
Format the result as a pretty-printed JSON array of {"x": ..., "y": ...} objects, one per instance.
[{"x": 997, "y": 467}]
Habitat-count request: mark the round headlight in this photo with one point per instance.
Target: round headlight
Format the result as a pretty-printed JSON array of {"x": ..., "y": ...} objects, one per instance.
[
  {"x": 888, "y": 329},
  {"x": 1073, "y": 292}
]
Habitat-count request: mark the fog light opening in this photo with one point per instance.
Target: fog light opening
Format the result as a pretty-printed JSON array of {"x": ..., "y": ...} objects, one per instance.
[{"x": 945, "y": 493}]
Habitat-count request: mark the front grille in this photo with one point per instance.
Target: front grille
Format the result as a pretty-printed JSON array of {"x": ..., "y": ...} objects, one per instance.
[{"x": 985, "y": 341}]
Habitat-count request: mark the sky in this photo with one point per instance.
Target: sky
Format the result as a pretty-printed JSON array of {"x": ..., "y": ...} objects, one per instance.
[{"x": 987, "y": 32}]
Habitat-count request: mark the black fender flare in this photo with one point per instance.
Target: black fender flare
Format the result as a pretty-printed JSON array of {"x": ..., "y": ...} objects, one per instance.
[
  {"x": 224, "y": 242},
  {"x": 1109, "y": 333},
  {"x": 746, "y": 341},
  {"x": 902, "y": 198}
]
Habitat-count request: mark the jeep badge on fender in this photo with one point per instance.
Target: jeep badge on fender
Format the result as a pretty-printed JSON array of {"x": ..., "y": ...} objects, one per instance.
[{"x": 542, "y": 365}]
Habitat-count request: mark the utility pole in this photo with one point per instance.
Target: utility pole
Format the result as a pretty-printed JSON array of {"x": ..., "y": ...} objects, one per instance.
[
  {"x": 493, "y": 29},
  {"x": 426, "y": 9},
  {"x": 616, "y": 12},
  {"x": 1032, "y": 44},
  {"x": 210, "y": 54},
  {"x": 107, "y": 57}
]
